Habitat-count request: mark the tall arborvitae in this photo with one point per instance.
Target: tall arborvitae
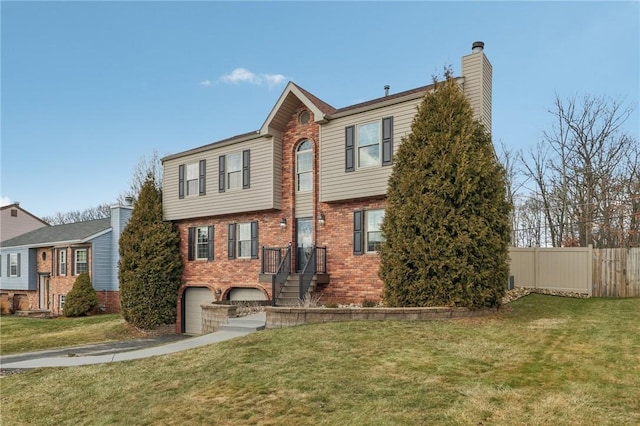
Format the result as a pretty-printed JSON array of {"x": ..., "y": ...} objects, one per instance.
[
  {"x": 447, "y": 220},
  {"x": 150, "y": 269}
]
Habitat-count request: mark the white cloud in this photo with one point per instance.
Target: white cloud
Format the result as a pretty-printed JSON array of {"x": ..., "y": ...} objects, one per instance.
[
  {"x": 5, "y": 201},
  {"x": 242, "y": 75},
  {"x": 206, "y": 83}
]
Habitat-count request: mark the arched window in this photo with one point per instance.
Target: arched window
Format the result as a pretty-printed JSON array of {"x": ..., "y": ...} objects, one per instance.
[{"x": 304, "y": 166}]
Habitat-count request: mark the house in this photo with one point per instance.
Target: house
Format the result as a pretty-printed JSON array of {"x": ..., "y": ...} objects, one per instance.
[
  {"x": 14, "y": 220},
  {"x": 39, "y": 268},
  {"x": 297, "y": 204}
]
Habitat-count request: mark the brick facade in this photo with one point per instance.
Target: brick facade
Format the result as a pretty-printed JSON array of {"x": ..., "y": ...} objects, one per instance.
[{"x": 352, "y": 278}]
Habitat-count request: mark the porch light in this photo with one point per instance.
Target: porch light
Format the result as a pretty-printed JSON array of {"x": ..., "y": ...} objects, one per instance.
[
  {"x": 283, "y": 223},
  {"x": 321, "y": 219}
]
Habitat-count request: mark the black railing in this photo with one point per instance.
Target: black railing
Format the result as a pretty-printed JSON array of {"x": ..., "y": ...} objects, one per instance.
[
  {"x": 309, "y": 270},
  {"x": 321, "y": 260},
  {"x": 281, "y": 272},
  {"x": 272, "y": 257}
]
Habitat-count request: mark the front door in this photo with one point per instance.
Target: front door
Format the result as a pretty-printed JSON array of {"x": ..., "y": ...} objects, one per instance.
[
  {"x": 44, "y": 292},
  {"x": 304, "y": 238}
]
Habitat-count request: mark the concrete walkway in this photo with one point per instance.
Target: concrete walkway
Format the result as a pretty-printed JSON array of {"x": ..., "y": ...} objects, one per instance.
[{"x": 135, "y": 349}]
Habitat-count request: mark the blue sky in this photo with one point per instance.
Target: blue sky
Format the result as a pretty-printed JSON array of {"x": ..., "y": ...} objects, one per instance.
[{"x": 91, "y": 88}]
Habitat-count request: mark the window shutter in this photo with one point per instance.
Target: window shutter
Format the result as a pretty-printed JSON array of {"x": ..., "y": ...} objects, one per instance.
[
  {"x": 254, "y": 240},
  {"x": 191, "y": 244},
  {"x": 387, "y": 141},
  {"x": 73, "y": 262},
  {"x": 221, "y": 162},
  {"x": 18, "y": 273},
  {"x": 349, "y": 148},
  {"x": 203, "y": 173},
  {"x": 246, "y": 160},
  {"x": 8, "y": 265},
  {"x": 231, "y": 244},
  {"x": 181, "y": 181},
  {"x": 358, "y": 232},
  {"x": 211, "y": 243},
  {"x": 0, "y": 265}
]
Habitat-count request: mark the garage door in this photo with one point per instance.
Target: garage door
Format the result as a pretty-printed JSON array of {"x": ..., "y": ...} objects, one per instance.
[
  {"x": 193, "y": 298},
  {"x": 246, "y": 294}
]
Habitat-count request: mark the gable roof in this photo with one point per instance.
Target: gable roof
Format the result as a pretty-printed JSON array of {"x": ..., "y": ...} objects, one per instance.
[
  {"x": 69, "y": 233},
  {"x": 17, "y": 206},
  {"x": 292, "y": 96}
]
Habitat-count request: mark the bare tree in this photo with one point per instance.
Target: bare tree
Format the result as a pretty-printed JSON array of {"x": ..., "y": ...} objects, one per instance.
[
  {"x": 586, "y": 172},
  {"x": 147, "y": 166},
  {"x": 100, "y": 212}
]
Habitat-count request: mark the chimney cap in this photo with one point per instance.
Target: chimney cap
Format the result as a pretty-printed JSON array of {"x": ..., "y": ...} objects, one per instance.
[
  {"x": 478, "y": 46},
  {"x": 386, "y": 89}
]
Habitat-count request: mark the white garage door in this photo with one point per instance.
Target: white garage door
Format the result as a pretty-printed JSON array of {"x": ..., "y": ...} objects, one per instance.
[
  {"x": 193, "y": 298},
  {"x": 246, "y": 294}
]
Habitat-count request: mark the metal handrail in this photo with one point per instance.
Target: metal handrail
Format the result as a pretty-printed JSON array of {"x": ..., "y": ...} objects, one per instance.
[
  {"x": 308, "y": 271},
  {"x": 281, "y": 274}
]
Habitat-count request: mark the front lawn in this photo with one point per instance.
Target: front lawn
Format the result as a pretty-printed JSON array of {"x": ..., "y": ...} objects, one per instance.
[
  {"x": 550, "y": 360},
  {"x": 33, "y": 334}
]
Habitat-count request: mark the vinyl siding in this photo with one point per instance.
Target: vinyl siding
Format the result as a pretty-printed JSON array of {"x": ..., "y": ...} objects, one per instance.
[
  {"x": 12, "y": 226},
  {"x": 102, "y": 265},
  {"x": 265, "y": 173},
  {"x": 27, "y": 278},
  {"x": 335, "y": 183},
  {"x": 477, "y": 72},
  {"x": 304, "y": 204},
  {"x": 119, "y": 219}
]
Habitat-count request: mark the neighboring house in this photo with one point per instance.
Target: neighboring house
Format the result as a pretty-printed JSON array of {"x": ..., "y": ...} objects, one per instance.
[
  {"x": 312, "y": 176},
  {"x": 38, "y": 269},
  {"x": 14, "y": 220}
]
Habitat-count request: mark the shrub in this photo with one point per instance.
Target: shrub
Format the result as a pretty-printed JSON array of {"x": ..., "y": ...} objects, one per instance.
[
  {"x": 447, "y": 219},
  {"x": 150, "y": 268},
  {"x": 369, "y": 303},
  {"x": 82, "y": 298}
]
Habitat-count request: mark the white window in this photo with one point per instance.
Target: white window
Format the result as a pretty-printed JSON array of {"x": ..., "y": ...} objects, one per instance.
[
  {"x": 62, "y": 262},
  {"x": 368, "y": 143},
  {"x": 81, "y": 263},
  {"x": 202, "y": 242},
  {"x": 192, "y": 178},
  {"x": 234, "y": 171},
  {"x": 13, "y": 264},
  {"x": 373, "y": 223},
  {"x": 304, "y": 166},
  {"x": 244, "y": 239}
]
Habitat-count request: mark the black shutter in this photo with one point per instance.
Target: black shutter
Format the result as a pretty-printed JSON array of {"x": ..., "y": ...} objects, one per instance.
[
  {"x": 349, "y": 149},
  {"x": 203, "y": 175},
  {"x": 246, "y": 160},
  {"x": 231, "y": 244},
  {"x": 221, "y": 162},
  {"x": 211, "y": 243},
  {"x": 73, "y": 261},
  {"x": 181, "y": 181},
  {"x": 254, "y": 240},
  {"x": 358, "y": 232},
  {"x": 18, "y": 272},
  {"x": 9, "y": 265},
  {"x": 387, "y": 141},
  {"x": 191, "y": 244}
]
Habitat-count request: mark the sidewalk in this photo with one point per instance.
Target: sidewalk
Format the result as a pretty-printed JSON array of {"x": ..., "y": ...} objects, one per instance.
[{"x": 134, "y": 349}]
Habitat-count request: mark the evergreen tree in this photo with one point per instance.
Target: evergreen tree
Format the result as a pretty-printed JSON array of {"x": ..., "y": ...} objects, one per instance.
[
  {"x": 150, "y": 269},
  {"x": 82, "y": 298},
  {"x": 447, "y": 219}
]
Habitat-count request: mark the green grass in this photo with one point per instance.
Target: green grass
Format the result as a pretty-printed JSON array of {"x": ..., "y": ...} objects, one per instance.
[
  {"x": 33, "y": 334},
  {"x": 549, "y": 361}
]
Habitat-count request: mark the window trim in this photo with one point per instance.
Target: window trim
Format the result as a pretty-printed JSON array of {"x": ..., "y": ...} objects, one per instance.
[
  {"x": 10, "y": 265},
  {"x": 192, "y": 250},
  {"x": 385, "y": 145},
  {"x": 367, "y": 231},
  {"x": 77, "y": 251},
  {"x": 62, "y": 253},
  {"x": 200, "y": 178},
  {"x": 233, "y": 241},
  {"x": 361, "y": 232},
  {"x": 309, "y": 172}
]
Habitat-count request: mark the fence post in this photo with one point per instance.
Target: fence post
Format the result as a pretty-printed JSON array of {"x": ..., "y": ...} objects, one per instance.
[
  {"x": 590, "y": 270},
  {"x": 536, "y": 266}
]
